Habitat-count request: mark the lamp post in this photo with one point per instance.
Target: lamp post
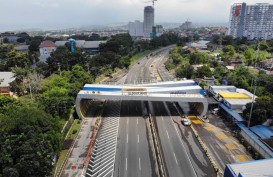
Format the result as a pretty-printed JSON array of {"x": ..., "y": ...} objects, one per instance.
[{"x": 253, "y": 83}]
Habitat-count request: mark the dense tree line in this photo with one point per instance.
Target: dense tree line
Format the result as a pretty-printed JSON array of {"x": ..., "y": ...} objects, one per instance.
[{"x": 29, "y": 139}]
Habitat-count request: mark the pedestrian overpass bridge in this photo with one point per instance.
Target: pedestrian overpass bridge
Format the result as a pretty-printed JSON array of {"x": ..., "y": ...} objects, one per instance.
[{"x": 171, "y": 91}]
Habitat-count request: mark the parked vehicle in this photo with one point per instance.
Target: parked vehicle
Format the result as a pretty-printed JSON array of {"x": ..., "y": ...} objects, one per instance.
[{"x": 215, "y": 111}]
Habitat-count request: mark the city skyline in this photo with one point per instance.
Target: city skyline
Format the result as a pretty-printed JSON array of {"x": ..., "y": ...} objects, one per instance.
[{"x": 62, "y": 14}]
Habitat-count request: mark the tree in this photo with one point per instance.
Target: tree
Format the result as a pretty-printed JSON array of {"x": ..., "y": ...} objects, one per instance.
[
  {"x": 17, "y": 60},
  {"x": 241, "y": 77},
  {"x": 186, "y": 71},
  {"x": 29, "y": 140},
  {"x": 198, "y": 58},
  {"x": 249, "y": 55},
  {"x": 203, "y": 71},
  {"x": 262, "y": 110},
  {"x": 229, "y": 51},
  {"x": 220, "y": 72}
]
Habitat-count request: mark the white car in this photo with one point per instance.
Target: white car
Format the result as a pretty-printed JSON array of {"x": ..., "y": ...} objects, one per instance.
[
  {"x": 215, "y": 111},
  {"x": 186, "y": 121}
]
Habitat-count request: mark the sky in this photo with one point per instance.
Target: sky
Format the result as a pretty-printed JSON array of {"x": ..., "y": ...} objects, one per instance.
[{"x": 59, "y": 14}]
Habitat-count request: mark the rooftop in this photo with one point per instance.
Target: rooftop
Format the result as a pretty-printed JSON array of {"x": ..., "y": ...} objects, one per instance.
[
  {"x": 234, "y": 95},
  {"x": 7, "y": 77},
  {"x": 253, "y": 168},
  {"x": 47, "y": 44}
]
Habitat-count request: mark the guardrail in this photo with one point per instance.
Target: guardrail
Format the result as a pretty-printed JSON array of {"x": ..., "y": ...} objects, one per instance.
[{"x": 158, "y": 151}]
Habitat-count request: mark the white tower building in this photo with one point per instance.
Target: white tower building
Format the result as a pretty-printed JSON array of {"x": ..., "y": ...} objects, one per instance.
[
  {"x": 251, "y": 21},
  {"x": 148, "y": 20}
]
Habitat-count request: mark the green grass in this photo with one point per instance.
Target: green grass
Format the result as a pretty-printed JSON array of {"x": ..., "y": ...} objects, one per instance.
[
  {"x": 75, "y": 126},
  {"x": 62, "y": 122},
  {"x": 61, "y": 159},
  {"x": 138, "y": 56}
]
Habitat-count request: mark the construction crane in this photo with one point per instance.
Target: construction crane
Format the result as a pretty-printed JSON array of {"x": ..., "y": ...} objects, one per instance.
[{"x": 151, "y": 1}]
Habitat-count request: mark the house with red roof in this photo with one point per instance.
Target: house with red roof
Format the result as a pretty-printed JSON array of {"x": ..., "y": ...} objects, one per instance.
[{"x": 46, "y": 48}]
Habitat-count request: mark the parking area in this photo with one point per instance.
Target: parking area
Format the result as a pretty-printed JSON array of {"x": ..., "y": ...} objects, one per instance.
[
  {"x": 102, "y": 159},
  {"x": 218, "y": 137}
]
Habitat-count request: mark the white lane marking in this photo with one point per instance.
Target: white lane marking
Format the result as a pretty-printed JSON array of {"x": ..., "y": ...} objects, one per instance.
[
  {"x": 138, "y": 138},
  {"x": 179, "y": 137},
  {"x": 175, "y": 158},
  {"x": 161, "y": 118},
  {"x": 139, "y": 164},
  {"x": 126, "y": 164},
  {"x": 127, "y": 137},
  {"x": 127, "y": 121},
  {"x": 167, "y": 134},
  {"x": 137, "y": 121}
]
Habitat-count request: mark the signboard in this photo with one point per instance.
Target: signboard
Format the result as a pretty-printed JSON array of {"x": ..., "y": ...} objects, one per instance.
[{"x": 135, "y": 91}]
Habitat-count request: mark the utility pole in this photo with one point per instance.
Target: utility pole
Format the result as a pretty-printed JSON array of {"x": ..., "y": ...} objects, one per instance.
[
  {"x": 59, "y": 68},
  {"x": 253, "y": 83}
]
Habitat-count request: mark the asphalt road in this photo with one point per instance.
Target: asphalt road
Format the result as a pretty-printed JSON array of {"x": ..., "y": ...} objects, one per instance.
[
  {"x": 182, "y": 152},
  {"x": 176, "y": 158},
  {"x": 134, "y": 158}
]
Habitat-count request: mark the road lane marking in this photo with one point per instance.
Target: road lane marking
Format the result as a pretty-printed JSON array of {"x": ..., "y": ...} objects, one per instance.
[
  {"x": 242, "y": 158},
  {"x": 127, "y": 137},
  {"x": 126, "y": 164},
  {"x": 137, "y": 121},
  {"x": 138, "y": 138},
  {"x": 175, "y": 158},
  {"x": 221, "y": 136},
  {"x": 179, "y": 137},
  {"x": 127, "y": 121},
  {"x": 208, "y": 128},
  {"x": 231, "y": 146},
  {"x": 139, "y": 164},
  {"x": 161, "y": 118},
  {"x": 167, "y": 134}
]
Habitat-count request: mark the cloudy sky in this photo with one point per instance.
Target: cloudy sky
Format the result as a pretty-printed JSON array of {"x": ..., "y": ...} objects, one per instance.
[{"x": 58, "y": 14}]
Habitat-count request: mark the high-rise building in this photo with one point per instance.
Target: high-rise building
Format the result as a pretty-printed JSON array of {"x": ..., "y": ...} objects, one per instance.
[
  {"x": 136, "y": 29},
  {"x": 148, "y": 20},
  {"x": 251, "y": 21}
]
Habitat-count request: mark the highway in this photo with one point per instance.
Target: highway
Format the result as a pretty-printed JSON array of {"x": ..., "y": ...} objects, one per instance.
[
  {"x": 182, "y": 154},
  {"x": 134, "y": 156},
  {"x": 176, "y": 158}
]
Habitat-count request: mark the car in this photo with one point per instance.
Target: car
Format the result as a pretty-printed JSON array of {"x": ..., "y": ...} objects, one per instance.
[
  {"x": 215, "y": 111},
  {"x": 186, "y": 121}
]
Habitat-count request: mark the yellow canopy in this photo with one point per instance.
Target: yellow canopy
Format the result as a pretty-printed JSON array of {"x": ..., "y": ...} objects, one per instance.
[{"x": 234, "y": 95}]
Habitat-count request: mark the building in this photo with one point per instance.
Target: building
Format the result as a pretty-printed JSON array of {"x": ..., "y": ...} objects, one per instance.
[
  {"x": 250, "y": 169},
  {"x": 186, "y": 25},
  {"x": 157, "y": 30},
  {"x": 148, "y": 21},
  {"x": 46, "y": 48},
  {"x": 251, "y": 21},
  {"x": 136, "y": 29},
  {"x": 21, "y": 48},
  {"x": 91, "y": 47},
  {"x": 11, "y": 39},
  {"x": 5, "y": 79}
]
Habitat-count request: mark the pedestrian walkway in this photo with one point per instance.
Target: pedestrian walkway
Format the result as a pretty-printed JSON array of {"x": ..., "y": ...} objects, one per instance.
[{"x": 102, "y": 160}]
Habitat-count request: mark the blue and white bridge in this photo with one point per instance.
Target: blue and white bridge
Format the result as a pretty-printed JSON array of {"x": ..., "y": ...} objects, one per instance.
[{"x": 171, "y": 91}]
